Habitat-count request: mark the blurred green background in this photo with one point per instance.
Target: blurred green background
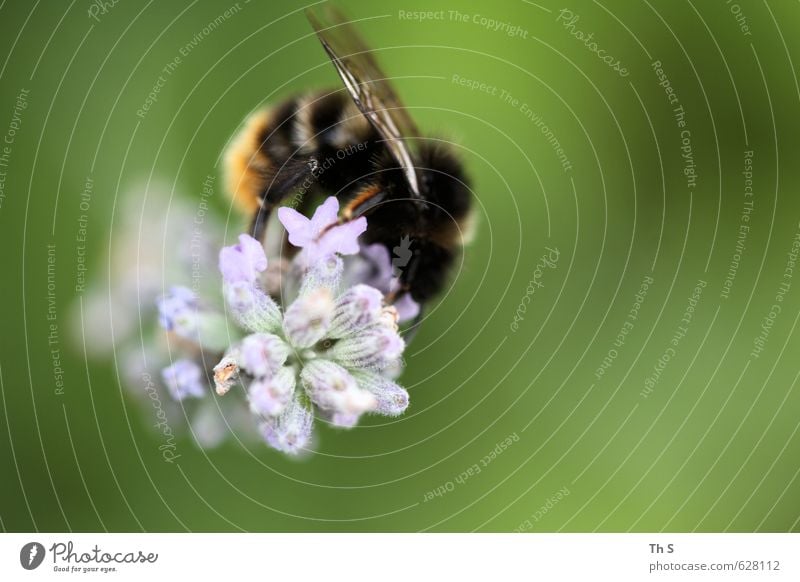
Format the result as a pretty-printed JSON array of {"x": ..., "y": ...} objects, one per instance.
[{"x": 712, "y": 446}]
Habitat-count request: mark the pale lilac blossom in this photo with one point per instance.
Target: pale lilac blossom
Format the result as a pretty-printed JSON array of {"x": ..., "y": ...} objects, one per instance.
[
  {"x": 242, "y": 262},
  {"x": 184, "y": 379},
  {"x": 374, "y": 268},
  {"x": 329, "y": 350},
  {"x": 270, "y": 396},
  {"x": 180, "y": 312},
  {"x": 322, "y": 236},
  {"x": 291, "y": 430},
  {"x": 263, "y": 354}
]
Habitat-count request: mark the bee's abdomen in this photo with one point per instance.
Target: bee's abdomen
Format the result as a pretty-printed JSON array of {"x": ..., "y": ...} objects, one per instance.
[
  {"x": 281, "y": 139},
  {"x": 247, "y": 164}
]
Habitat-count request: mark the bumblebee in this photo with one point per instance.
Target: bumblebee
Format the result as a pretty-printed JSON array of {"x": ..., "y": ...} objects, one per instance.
[{"x": 359, "y": 144}]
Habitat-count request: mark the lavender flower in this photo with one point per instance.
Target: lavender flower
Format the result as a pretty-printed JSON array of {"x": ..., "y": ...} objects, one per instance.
[
  {"x": 375, "y": 269},
  {"x": 180, "y": 312},
  {"x": 241, "y": 265},
  {"x": 334, "y": 389},
  {"x": 270, "y": 396},
  {"x": 327, "y": 350},
  {"x": 177, "y": 311},
  {"x": 242, "y": 262},
  {"x": 406, "y": 307},
  {"x": 289, "y": 432},
  {"x": 263, "y": 354},
  {"x": 184, "y": 379},
  {"x": 322, "y": 236}
]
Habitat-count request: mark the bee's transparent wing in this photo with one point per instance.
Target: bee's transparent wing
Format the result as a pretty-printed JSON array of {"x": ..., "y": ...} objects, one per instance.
[{"x": 367, "y": 85}]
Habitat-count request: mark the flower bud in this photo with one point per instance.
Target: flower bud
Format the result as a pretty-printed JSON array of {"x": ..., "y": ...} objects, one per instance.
[
  {"x": 375, "y": 347},
  {"x": 253, "y": 309},
  {"x": 179, "y": 312},
  {"x": 406, "y": 307},
  {"x": 269, "y": 397},
  {"x": 307, "y": 319},
  {"x": 184, "y": 378},
  {"x": 262, "y": 354},
  {"x": 332, "y": 388},
  {"x": 326, "y": 272},
  {"x": 290, "y": 431},
  {"x": 392, "y": 399},
  {"x": 355, "y": 309},
  {"x": 242, "y": 262}
]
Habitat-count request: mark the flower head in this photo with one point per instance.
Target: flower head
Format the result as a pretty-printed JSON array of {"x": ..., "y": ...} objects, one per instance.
[
  {"x": 242, "y": 262},
  {"x": 326, "y": 350},
  {"x": 333, "y": 349}
]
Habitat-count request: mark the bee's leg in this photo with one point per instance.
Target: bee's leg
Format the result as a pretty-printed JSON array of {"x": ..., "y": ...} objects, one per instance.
[
  {"x": 259, "y": 223},
  {"x": 365, "y": 200},
  {"x": 296, "y": 174}
]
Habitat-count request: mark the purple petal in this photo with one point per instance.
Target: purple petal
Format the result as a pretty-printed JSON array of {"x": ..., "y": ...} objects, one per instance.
[
  {"x": 344, "y": 420},
  {"x": 254, "y": 251},
  {"x": 183, "y": 379},
  {"x": 298, "y": 226},
  {"x": 325, "y": 214},
  {"x": 380, "y": 266},
  {"x": 178, "y": 311},
  {"x": 406, "y": 307},
  {"x": 230, "y": 265},
  {"x": 243, "y": 261},
  {"x": 343, "y": 239}
]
